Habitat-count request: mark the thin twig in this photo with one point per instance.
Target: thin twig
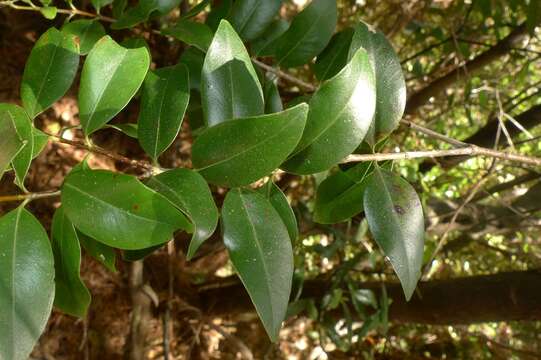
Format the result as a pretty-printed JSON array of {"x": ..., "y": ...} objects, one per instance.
[
  {"x": 71, "y": 12},
  {"x": 292, "y": 79},
  {"x": 29, "y": 196},
  {"x": 241, "y": 346}
]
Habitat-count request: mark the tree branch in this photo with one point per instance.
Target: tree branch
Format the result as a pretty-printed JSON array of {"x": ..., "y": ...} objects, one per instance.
[{"x": 29, "y": 196}]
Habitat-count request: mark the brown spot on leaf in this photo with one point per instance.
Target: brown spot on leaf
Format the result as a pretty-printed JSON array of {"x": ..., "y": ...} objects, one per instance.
[
  {"x": 399, "y": 210},
  {"x": 135, "y": 207}
]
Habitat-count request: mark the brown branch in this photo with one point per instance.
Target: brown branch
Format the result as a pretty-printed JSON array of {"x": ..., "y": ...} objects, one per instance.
[
  {"x": 29, "y": 196},
  {"x": 281, "y": 74}
]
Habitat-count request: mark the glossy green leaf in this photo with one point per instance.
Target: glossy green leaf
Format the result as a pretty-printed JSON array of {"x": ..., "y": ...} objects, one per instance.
[
  {"x": 48, "y": 12},
  {"x": 239, "y": 152},
  {"x": 189, "y": 192},
  {"x": 335, "y": 55},
  {"x": 26, "y": 283},
  {"x": 71, "y": 294},
  {"x": 49, "y": 71},
  {"x": 40, "y": 141},
  {"x": 125, "y": 213},
  {"x": 164, "y": 100},
  {"x": 260, "y": 249},
  {"x": 250, "y": 18},
  {"x": 21, "y": 161},
  {"x": 10, "y": 141},
  {"x": 193, "y": 59},
  {"x": 192, "y": 33},
  {"x": 110, "y": 78},
  {"x": 101, "y": 252},
  {"x": 135, "y": 15},
  {"x": 280, "y": 203},
  {"x": 308, "y": 34},
  {"x": 341, "y": 112},
  {"x": 273, "y": 101},
  {"x": 230, "y": 87},
  {"x": 340, "y": 196},
  {"x": 128, "y": 129},
  {"x": 267, "y": 43},
  {"x": 395, "y": 218},
  {"x": 87, "y": 31},
  {"x": 390, "y": 84}
]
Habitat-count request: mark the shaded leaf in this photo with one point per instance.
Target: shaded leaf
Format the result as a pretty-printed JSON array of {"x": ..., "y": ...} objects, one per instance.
[
  {"x": 251, "y": 17},
  {"x": 196, "y": 9},
  {"x": 241, "y": 151},
  {"x": 98, "y": 4},
  {"x": 280, "y": 203},
  {"x": 49, "y": 71},
  {"x": 87, "y": 31},
  {"x": 110, "y": 78},
  {"x": 27, "y": 281},
  {"x": 273, "y": 101},
  {"x": 260, "y": 249},
  {"x": 266, "y": 44},
  {"x": 192, "y": 33},
  {"x": 136, "y": 255},
  {"x": 335, "y": 56},
  {"x": 101, "y": 252},
  {"x": 10, "y": 141},
  {"x": 395, "y": 218},
  {"x": 219, "y": 11},
  {"x": 128, "y": 129},
  {"x": 341, "y": 112},
  {"x": 193, "y": 59}
]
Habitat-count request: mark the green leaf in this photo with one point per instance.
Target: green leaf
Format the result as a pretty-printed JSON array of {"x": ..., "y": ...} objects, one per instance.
[
  {"x": 260, "y": 249},
  {"x": 101, "y": 252},
  {"x": 98, "y": 4},
  {"x": 136, "y": 255},
  {"x": 390, "y": 84},
  {"x": 164, "y": 100},
  {"x": 266, "y": 44},
  {"x": 250, "y": 18},
  {"x": 128, "y": 129},
  {"x": 196, "y": 9},
  {"x": 27, "y": 279},
  {"x": 40, "y": 141},
  {"x": 110, "y": 78},
  {"x": 49, "y": 71},
  {"x": 230, "y": 87},
  {"x": 193, "y": 59},
  {"x": 125, "y": 214},
  {"x": 340, "y": 196},
  {"x": 533, "y": 15},
  {"x": 241, "y": 151},
  {"x": 192, "y": 33},
  {"x": 308, "y": 34},
  {"x": 21, "y": 161},
  {"x": 280, "y": 203},
  {"x": 48, "y": 12},
  {"x": 341, "y": 112},
  {"x": 189, "y": 192},
  {"x": 395, "y": 218},
  {"x": 71, "y": 295},
  {"x": 10, "y": 141},
  {"x": 335, "y": 55},
  {"x": 273, "y": 101},
  {"x": 135, "y": 15},
  {"x": 219, "y": 11},
  {"x": 87, "y": 31}
]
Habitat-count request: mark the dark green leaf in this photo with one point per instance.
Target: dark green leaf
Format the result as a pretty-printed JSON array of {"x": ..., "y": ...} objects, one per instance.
[
  {"x": 87, "y": 31},
  {"x": 119, "y": 211},
  {"x": 251, "y": 17},
  {"x": 10, "y": 141},
  {"x": 273, "y": 102},
  {"x": 101, "y": 252},
  {"x": 280, "y": 203},
  {"x": 192, "y": 33},
  {"x": 266, "y": 44},
  {"x": 193, "y": 59},
  {"x": 40, "y": 141},
  {"x": 533, "y": 18},
  {"x": 308, "y": 34},
  {"x": 128, "y": 129},
  {"x": 341, "y": 112},
  {"x": 196, "y": 9},
  {"x": 136, "y": 14},
  {"x": 110, "y": 78},
  {"x": 189, "y": 192},
  {"x": 49, "y": 71},
  {"x": 390, "y": 84},
  {"x": 229, "y": 84},
  {"x": 98, "y": 4},
  {"x": 260, "y": 250},
  {"x": 27, "y": 280},
  {"x": 395, "y": 218},
  {"x": 164, "y": 100},
  {"x": 239, "y": 152},
  {"x": 340, "y": 196},
  {"x": 219, "y": 11},
  {"x": 136, "y": 255},
  {"x": 135, "y": 42},
  {"x": 71, "y": 294},
  {"x": 335, "y": 55}
]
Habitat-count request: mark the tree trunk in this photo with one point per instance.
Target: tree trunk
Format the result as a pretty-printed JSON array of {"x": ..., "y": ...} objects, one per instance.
[{"x": 486, "y": 298}]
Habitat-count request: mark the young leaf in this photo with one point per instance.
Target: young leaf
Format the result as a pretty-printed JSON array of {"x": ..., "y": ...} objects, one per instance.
[
  {"x": 119, "y": 211},
  {"x": 10, "y": 141},
  {"x": 49, "y": 71},
  {"x": 239, "y": 152},
  {"x": 48, "y": 12},
  {"x": 164, "y": 100},
  {"x": 340, "y": 196},
  {"x": 280, "y": 203},
  {"x": 266, "y": 44},
  {"x": 251, "y": 17},
  {"x": 21, "y": 162},
  {"x": 101, "y": 252},
  {"x": 340, "y": 114},
  {"x": 260, "y": 249},
  {"x": 192, "y": 33},
  {"x": 308, "y": 34},
  {"x": 395, "y": 218},
  {"x": 335, "y": 55},
  {"x": 27, "y": 278},
  {"x": 189, "y": 192},
  {"x": 230, "y": 87},
  {"x": 110, "y": 78},
  {"x": 390, "y": 84},
  {"x": 71, "y": 295},
  {"x": 87, "y": 31}
]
